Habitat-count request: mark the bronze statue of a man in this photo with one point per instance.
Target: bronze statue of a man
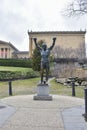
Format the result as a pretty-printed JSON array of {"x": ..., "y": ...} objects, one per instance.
[{"x": 45, "y": 53}]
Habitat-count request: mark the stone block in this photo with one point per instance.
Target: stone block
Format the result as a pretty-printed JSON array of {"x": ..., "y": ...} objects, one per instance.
[{"x": 42, "y": 92}]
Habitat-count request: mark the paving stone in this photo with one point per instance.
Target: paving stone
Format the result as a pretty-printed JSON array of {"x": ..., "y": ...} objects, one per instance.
[
  {"x": 73, "y": 119},
  {"x": 5, "y": 113},
  {"x": 44, "y": 115}
]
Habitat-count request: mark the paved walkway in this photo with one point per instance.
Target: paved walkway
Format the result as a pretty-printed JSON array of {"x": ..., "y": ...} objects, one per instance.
[{"x": 24, "y": 113}]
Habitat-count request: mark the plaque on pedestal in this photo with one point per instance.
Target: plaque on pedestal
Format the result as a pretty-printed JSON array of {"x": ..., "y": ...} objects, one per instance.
[{"x": 42, "y": 92}]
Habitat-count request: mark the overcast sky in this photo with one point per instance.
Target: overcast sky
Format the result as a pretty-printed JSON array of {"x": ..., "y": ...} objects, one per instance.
[{"x": 19, "y": 16}]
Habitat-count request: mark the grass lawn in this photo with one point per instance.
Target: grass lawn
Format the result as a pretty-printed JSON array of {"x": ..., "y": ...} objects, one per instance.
[
  {"x": 60, "y": 89},
  {"x": 5, "y": 68},
  {"x": 28, "y": 86},
  {"x": 19, "y": 87}
]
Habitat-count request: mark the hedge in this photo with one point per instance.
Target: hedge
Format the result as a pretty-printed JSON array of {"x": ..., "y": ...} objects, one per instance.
[
  {"x": 16, "y": 62},
  {"x": 14, "y": 75}
]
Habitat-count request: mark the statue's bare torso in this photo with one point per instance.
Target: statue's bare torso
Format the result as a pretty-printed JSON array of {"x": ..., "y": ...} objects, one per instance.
[{"x": 45, "y": 55}]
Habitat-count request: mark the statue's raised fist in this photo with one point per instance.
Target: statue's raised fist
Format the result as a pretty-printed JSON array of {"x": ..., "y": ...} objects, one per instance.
[
  {"x": 35, "y": 39},
  {"x": 54, "y": 38}
]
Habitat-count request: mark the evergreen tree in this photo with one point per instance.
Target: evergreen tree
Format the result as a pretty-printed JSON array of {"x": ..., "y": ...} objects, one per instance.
[{"x": 36, "y": 59}]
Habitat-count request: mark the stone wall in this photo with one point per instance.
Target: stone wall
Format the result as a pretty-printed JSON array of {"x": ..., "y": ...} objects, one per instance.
[{"x": 67, "y": 39}]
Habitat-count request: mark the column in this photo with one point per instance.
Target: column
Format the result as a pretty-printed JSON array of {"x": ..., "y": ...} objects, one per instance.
[
  {"x": 7, "y": 52},
  {"x": 4, "y": 53},
  {"x": 9, "y": 56},
  {"x": 30, "y": 47}
]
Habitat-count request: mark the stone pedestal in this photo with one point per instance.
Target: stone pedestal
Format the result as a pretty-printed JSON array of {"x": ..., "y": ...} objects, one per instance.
[{"x": 42, "y": 92}]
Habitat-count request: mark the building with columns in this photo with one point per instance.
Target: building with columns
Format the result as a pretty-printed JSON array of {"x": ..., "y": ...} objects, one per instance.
[
  {"x": 65, "y": 39},
  {"x": 8, "y": 50}
]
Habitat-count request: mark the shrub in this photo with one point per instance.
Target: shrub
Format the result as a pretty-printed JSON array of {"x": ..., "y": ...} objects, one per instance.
[
  {"x": 16, "y": 62},
  {"x": 14, "y": 75}
]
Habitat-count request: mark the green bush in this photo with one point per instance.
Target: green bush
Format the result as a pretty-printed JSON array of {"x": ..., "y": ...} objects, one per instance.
[
  {"x": 36, "y": 59},
  {"x": 14, "y": 75},
  {"x": 16, "y": 62}
]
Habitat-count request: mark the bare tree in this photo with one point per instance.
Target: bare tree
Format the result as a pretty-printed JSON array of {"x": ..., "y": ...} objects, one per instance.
[
  {"x": 64, "y": 70},
  {"x": 76, "y": 8},
  {"x": 60, "y": 52},
  {"x": 80, "y": 51},
  {"x": 57, "y": 52}
]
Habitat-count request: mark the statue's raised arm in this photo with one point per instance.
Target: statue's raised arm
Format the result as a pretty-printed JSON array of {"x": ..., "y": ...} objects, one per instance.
[
  {"x": 51, "y": 47},
  {"x": 35, "y": 41}
]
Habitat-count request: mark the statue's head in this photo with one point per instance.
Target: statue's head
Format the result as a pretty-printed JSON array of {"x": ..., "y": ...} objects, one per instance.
[{"x": 44, "y": 46}]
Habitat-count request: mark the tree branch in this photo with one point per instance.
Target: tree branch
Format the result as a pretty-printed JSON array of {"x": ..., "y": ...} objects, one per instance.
[{"x": 76, "y": 7}]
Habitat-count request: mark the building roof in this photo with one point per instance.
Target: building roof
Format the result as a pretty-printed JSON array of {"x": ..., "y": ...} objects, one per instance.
[
  {"x": 57, "y": 32},
  {"x": 21, "y": 52},
  {"x": 9, "y": 44}
]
